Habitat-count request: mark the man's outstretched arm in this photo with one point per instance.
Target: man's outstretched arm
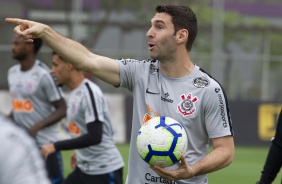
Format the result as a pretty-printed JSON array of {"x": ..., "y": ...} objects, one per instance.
[{"x": 102, "y": 67}]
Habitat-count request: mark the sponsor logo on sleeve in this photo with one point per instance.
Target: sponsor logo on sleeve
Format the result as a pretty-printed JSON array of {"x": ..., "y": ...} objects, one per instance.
[
  {"x": 125, "y": 61},
  {"x": 222, "y": 107},
  {"x": 201, "y": 82}
]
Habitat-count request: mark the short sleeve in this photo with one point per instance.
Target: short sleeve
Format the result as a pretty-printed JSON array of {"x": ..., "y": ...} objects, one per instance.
[
  {"x": 130, "y": 71},
  {"x": 92, "y": 106},
  {"x": 217, "y": 115},
  {"x": 50, "y": 87}
]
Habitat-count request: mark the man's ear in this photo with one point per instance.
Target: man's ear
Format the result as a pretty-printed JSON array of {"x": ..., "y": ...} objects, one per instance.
[
  {"x": 30, "y": 46},
  {"x": 70, "y": 66},
  {"x": 182, "y": 35}
]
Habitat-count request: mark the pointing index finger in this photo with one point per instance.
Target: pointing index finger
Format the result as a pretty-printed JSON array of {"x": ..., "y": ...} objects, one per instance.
[{"x": 14, "y": 20}]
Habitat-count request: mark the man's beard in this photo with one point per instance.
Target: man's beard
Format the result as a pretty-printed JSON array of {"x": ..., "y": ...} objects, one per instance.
[
  {"x": 165, "y": 52},
  {"x": 158, "y": 56},
  {"x": 20, "y": 57}
]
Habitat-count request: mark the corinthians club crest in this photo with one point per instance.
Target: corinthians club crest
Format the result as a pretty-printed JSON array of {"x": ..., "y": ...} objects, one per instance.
[{"x": 186, "y": 107}]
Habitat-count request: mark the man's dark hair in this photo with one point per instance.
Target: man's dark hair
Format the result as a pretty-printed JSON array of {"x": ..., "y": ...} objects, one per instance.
[
  {"x": 54, "y": 53},
  {"x": 182, "y": 18},
  {"x": 37, "y": 43}
]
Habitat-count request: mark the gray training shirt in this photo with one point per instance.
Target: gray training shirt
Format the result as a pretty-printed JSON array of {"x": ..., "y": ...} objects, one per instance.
[
  {"x": 197, "y": 101},
  {"x": 32, "y": 92},
  {"x": 86, "y": 104}
]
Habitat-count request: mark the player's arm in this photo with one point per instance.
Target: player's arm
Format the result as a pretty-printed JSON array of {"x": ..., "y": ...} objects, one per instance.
[
  {"x": 57, "y": 115},
  {"x": 273, "y": 160},
  {"x": 219, "y": 128},
  {"x": 92, "y": 137},
  {"x": 102, "y": 67},
  {"x": 221, "y": 156}
]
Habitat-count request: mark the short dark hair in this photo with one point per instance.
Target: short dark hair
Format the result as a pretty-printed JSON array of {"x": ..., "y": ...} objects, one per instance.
[
  {"x": 55, "y": 53},
  {"x": 37, "y": 43},
  {"x": 182, "y": 18}
]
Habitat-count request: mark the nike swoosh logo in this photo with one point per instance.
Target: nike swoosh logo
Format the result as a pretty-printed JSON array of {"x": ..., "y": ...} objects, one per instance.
[{"x": 149, "y": 92}]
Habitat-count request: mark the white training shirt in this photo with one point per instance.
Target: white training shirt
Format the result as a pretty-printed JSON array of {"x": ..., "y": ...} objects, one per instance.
[
  {"x": 20, "y": 160},
  {"x": 32, "y": 92},
  {"x": 197, "y": 101}
]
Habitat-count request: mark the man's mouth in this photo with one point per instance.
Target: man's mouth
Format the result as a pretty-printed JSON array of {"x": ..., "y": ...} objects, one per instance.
[{"x": 151, "y": 46}]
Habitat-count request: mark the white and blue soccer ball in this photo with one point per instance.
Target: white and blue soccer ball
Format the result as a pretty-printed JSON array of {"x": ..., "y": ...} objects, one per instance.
[{"x": 161, "y": 141}]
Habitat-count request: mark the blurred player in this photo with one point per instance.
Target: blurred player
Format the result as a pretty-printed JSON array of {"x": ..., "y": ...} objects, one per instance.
[
  {"x": 20, "y": 160},
  {"x": 96, "y": 159},
  {"x": 273, "y": 161},
  {"x": 37, "y": 102}
]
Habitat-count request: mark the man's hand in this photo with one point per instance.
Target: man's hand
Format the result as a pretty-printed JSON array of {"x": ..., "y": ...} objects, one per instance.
[
  {"x": 27, "y": 30},
  {"x": 47, "y": 150},
  {"x": 182, "y": 172}
]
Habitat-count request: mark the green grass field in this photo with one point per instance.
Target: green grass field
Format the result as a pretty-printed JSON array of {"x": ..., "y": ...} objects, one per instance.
[{"x": 245, "y": 168}]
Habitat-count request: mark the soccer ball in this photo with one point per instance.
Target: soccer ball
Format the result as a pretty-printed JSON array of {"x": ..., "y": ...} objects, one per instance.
[{"x": 161, "y": 141}]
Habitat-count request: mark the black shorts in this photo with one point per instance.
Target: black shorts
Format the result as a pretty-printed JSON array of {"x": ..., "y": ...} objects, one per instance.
[
  {"x": 78, "y": 177},
  {"x": 54, "y": 167}
]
